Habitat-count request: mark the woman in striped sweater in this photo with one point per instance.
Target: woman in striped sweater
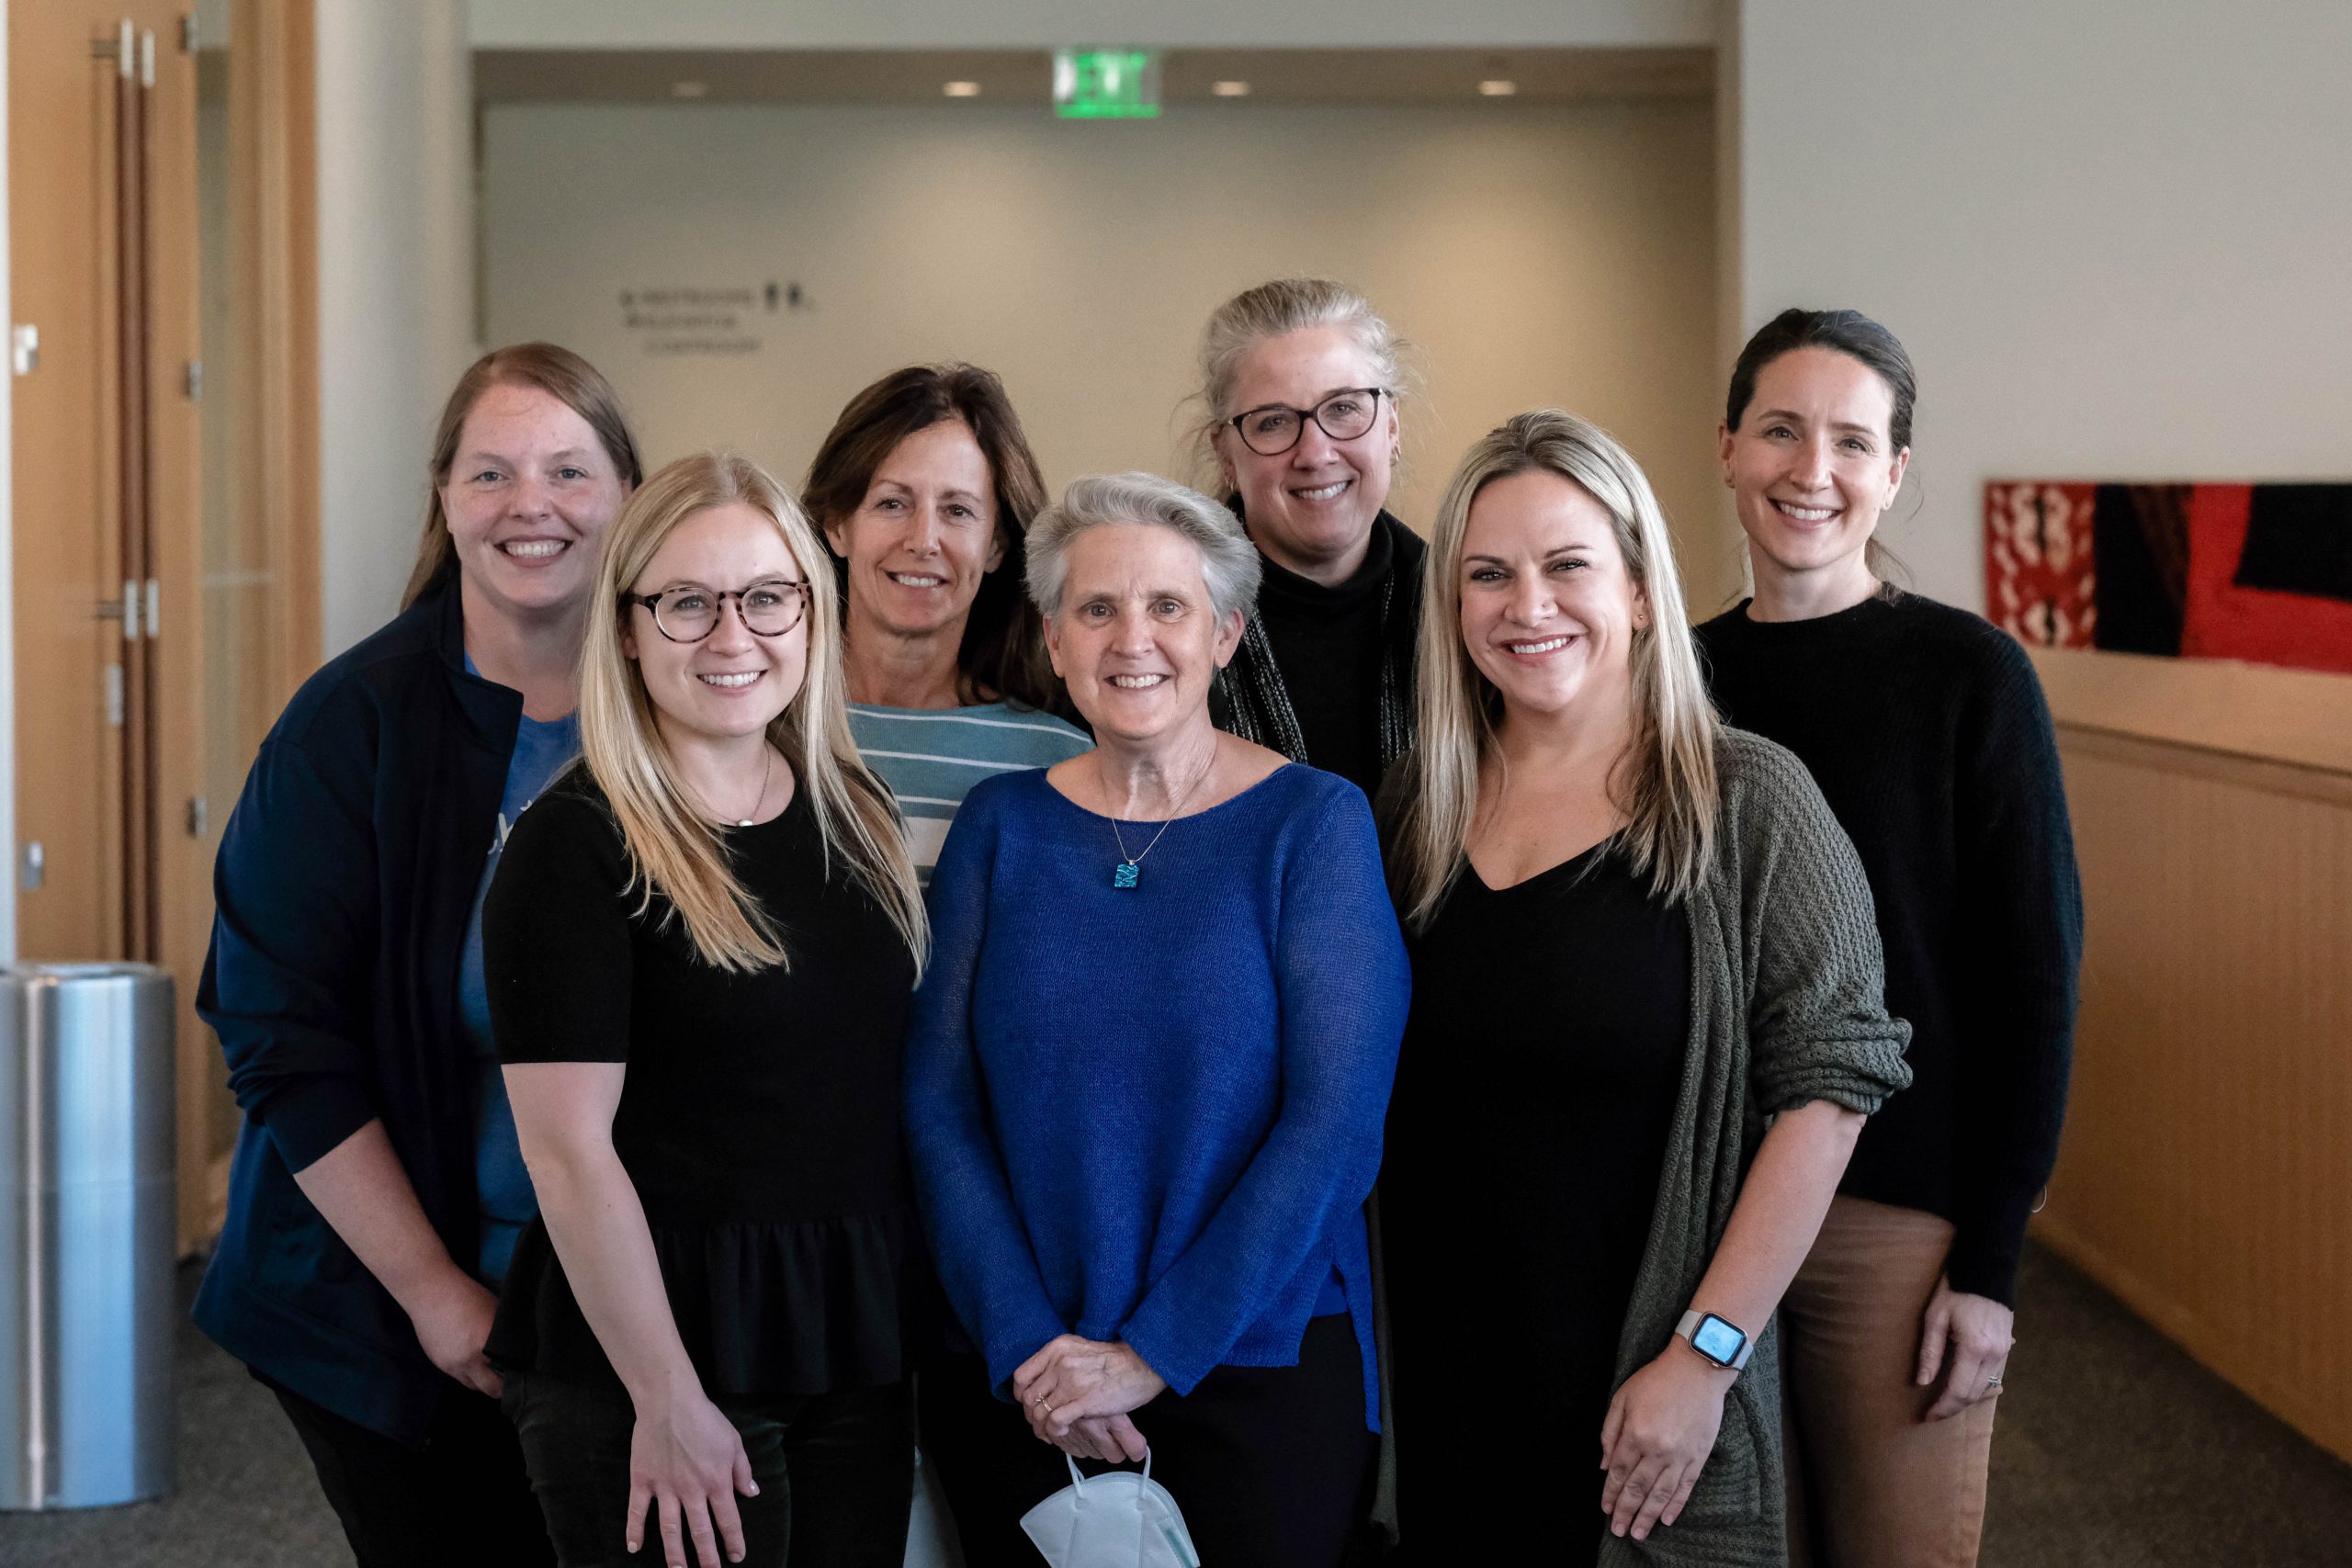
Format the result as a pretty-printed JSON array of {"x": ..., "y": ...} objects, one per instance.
[{"x": 923, "y": 489}]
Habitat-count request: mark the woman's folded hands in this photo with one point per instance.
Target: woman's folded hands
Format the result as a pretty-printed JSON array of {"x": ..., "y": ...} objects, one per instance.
[{"x": 1077, "y": 1394}]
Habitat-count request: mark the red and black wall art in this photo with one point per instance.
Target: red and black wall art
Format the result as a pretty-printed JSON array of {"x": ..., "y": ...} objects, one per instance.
[{"x": 2261, "y": 572}]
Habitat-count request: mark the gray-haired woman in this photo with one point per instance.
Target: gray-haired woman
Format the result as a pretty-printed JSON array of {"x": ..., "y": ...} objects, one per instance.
[
  {"x": 1299, "y": 378},
  {"x": 1146, "y": 1076}
]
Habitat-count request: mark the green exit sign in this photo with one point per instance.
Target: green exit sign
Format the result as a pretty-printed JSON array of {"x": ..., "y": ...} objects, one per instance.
[{"x": 1106, "y": 83}]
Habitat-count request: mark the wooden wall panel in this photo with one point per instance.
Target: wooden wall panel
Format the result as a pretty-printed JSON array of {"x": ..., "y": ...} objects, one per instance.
[{"x": 2206, "y": 1176}]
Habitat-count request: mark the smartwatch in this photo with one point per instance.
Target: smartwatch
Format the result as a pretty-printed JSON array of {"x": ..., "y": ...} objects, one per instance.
[{"x": 1725, "y": 1345}]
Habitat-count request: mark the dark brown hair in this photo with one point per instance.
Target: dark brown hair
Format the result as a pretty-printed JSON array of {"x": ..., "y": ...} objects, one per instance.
[
  {"x": 1857, "y": 337},
  {"x": 558, "y": 372},
  {"x": 1003, "y": 649},
  {"x": 1852, "y": 335}
]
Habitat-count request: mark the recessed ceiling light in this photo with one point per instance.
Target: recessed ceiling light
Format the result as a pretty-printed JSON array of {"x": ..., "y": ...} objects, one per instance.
[
  {"x": 962, "y": 89},
  {"x": 1230, "y": 89},
  {"x": 1496, "y": 87},
  {"x": 689, "y": 89}
]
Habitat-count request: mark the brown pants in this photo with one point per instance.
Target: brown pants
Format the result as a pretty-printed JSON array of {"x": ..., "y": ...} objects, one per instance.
[{"x": 1870, "y": 1484}]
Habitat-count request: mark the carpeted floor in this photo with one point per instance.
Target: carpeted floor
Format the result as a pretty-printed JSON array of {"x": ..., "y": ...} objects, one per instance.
[
  {"x": 2114, "y": 1450},
  {"x": 245, "y": 1495}
]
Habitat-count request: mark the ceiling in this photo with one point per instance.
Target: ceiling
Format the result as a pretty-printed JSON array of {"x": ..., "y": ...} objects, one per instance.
[{"x": 1019, "y": 76}]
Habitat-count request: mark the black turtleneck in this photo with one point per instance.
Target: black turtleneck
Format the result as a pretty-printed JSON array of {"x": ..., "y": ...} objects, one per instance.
[{"x": 1327, "y": 644}]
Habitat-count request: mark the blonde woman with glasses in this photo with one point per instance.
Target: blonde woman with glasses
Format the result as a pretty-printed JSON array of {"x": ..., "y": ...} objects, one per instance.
[
  {"x": 1646, "y": 1029},
  {"x": 1299, "y": 383},
  {"x": 700, "y": 948}
]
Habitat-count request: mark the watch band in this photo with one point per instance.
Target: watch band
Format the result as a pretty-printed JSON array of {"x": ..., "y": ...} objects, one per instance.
[{"x": 1689, "y": 1327}]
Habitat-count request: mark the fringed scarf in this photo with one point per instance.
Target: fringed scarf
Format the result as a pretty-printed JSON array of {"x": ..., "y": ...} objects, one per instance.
[{"x": 1253, "y": 701}]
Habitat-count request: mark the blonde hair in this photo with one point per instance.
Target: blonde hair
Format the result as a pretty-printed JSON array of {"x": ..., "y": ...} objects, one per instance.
[
  {"x": 1270, "y": 310},
  {"x": 1666, "y": 782},
  {"x": 675, "y": 850}
]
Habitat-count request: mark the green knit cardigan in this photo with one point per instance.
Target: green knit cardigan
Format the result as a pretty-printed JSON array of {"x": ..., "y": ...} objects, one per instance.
[{"x": 1786, "y": 1006}]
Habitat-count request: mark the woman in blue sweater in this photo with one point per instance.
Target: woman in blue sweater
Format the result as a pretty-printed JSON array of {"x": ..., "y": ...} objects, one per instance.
[{"x": 1147, "y": 1071}]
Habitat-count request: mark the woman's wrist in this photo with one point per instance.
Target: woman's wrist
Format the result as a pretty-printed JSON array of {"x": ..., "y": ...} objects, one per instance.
[
  {"x": 1690, "y": 1358},
  {"x": 663, "y": 1387},
  {"x": 425, "y": 1280}
]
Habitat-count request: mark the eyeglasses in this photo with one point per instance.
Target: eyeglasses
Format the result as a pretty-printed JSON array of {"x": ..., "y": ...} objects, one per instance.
[
  {"x": 690, "y": 613},
  {"x": 1275, "y": 429}
]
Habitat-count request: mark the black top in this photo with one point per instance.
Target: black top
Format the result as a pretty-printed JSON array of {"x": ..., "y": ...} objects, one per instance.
[
  {"x": 1327, "y": 642},
  {"x": 1534, "y": 1095},
  {"x": 343, "y": 890},
  {"x": 1325, "y": 675},
  {"x": 1927, "y": 731},
  {"x": 760, "y": 1117}
]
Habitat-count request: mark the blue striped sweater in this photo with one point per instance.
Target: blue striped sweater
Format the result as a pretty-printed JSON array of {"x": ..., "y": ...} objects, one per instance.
[{"x": 932, "y": 757}]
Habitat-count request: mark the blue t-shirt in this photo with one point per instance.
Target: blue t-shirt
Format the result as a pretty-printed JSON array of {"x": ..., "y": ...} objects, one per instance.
[{"x": 542, "y": 749}]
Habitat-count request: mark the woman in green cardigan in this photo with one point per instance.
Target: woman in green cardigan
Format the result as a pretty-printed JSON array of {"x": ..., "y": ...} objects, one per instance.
[{"x": 1647, "y": 1026}]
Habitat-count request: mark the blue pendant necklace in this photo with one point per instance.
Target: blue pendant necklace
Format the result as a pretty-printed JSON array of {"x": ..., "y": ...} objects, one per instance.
[{"x": 1128, "y": 872}]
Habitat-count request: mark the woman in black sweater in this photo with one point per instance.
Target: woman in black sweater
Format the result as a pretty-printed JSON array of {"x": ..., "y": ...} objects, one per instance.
[
  {"x": 1927, "y": 731},
  {"x": 1299, "y": 379},
  {"x": 700, "y": 948}
]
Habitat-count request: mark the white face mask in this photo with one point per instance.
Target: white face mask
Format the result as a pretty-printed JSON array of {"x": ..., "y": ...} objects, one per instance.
[{"x": 1118, "y": 1521}]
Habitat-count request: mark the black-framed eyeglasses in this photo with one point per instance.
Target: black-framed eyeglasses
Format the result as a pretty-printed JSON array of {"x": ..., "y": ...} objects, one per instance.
[
  {"x": 1275, "y": 429},
  {"x": 690, "y": 612}
]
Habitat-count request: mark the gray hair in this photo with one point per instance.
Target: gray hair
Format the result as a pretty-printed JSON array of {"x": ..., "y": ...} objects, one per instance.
[
  {"x": 1272, "y": 310},
  {"x": 1228, "y": 561}
]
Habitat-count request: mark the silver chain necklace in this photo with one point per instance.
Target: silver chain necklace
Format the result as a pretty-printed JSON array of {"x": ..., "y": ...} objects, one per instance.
[
  {"x": 1128, "y": 872},
  {"x": 767, "y": 771}
]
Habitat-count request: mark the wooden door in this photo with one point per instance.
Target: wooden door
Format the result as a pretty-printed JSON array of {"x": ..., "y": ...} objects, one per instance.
[
  {"x": 104, "y": 263},
  {"x": 257, "y": 118}
]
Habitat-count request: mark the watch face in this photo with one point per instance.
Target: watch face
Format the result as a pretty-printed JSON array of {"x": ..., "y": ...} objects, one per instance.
[{"x": 1717, "y": 1340}]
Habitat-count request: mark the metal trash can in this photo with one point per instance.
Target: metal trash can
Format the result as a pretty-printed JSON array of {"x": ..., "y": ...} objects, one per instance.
[{"x": 86, "y": 1235}]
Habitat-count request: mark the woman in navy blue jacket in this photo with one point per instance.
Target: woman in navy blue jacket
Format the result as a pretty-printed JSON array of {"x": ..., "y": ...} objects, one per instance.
[{"x": 377, "y": 1188}]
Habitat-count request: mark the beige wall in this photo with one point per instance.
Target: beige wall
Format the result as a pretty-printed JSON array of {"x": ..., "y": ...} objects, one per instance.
[
  {"x": 2111, "y": 234},
  {"x": 1554, "y": 254},
  {"x": 395, "y": 300}
]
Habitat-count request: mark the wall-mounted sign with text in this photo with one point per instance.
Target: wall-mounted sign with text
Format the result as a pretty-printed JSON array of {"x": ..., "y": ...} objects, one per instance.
[{"x": 686, "y": 320}]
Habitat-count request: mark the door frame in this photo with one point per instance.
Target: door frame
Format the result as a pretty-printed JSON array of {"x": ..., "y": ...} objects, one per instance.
[
  {"x": 275, "y": 393},
  {"x": 273, "y": 142}
]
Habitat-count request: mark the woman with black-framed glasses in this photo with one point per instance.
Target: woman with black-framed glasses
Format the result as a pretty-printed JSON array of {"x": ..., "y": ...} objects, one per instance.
[
  {"x": 700, "y": 946},
  {"x": 1298, "y": 378}
]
